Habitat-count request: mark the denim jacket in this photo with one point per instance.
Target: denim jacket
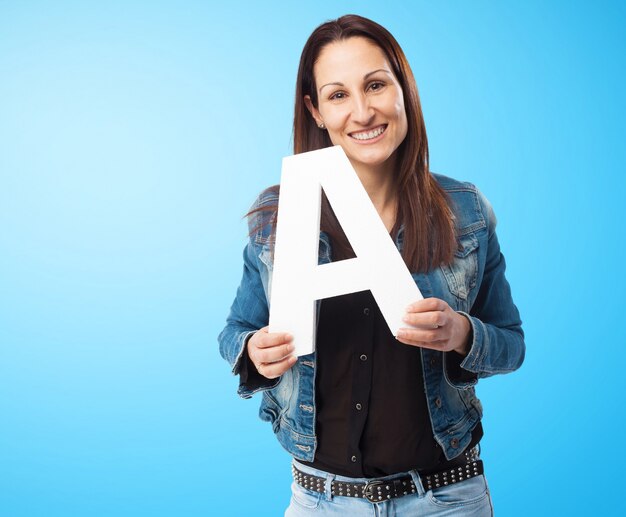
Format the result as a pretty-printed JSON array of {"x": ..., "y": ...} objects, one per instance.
[{"x": 474, "y": 285}]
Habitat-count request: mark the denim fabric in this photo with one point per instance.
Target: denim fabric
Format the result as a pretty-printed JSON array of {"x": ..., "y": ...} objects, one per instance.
[
  {"x": 474, "y": 284},
  {"x": 469, "y": 498}
]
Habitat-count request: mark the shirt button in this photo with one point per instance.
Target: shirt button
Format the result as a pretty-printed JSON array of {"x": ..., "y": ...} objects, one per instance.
[
  {"x": 358, "y": 406},
  {"x": 438, "y": 402},
  {"x": 353, "y": 459},
  {"x": 363, "y": 357},
  {"x": 366, "y": 311}
]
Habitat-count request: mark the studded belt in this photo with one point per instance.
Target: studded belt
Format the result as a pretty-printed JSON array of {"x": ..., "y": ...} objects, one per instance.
[{"x": 377, "y": 490}]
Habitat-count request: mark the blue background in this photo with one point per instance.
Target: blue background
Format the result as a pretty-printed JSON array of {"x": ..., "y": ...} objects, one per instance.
[{"x": 135, "y": 135}]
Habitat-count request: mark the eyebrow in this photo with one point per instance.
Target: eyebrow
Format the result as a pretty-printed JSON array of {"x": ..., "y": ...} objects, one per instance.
[{"x": 364, "y": 78}]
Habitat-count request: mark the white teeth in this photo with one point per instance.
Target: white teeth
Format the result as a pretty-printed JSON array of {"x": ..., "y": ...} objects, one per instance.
[{"x": 369, "y": 135}]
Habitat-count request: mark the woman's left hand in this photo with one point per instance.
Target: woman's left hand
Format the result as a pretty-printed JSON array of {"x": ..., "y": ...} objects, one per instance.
[{"x": 436, "y": 326}]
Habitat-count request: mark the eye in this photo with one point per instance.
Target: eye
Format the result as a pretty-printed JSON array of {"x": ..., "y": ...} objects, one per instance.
[
  {"x": 376, "y": 86},
  {"x": 337, "y": 96}
]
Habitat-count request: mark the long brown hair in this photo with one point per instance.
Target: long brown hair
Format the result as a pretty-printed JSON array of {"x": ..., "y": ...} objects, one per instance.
[{"x": 428, "y": 236}]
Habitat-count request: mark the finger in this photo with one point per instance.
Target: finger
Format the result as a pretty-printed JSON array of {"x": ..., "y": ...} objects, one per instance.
[
  {"x": 273, "y": 354},
  {"x": 433, "y": 345},
  {"x": 426, "y": 320},
  {"x": 273, "y": 370},
  {"x": 270, "y": 339},
  {"x": 421, "y": 335},
  {"x": 427, "y": 304}
]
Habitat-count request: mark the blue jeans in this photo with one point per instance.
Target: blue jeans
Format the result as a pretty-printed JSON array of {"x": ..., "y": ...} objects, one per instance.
[{"x": 467, "y": 498}]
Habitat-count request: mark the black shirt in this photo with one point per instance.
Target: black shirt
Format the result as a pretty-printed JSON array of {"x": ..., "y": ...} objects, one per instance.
[{"x": 372, "y": 418}]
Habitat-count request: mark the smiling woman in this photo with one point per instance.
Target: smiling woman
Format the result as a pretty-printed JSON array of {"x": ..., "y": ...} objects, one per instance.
[
  {"x": 372, "y": 418},
  {"x": 361, "y": 105}
]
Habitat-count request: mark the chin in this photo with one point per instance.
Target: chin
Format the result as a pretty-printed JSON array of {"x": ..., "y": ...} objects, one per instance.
[{"x": 371, "y": 160}]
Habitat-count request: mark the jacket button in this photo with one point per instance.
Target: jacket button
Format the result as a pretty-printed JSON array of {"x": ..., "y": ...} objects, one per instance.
[
  {"x": 438, "y": 402},
  {"x": 353, "y": 459},
  {"x": 359, "y": 406},
  {"x": 363, "y": 357},
  {"x": 454, "y": 443},
  {"x": 366, "y": 311}
]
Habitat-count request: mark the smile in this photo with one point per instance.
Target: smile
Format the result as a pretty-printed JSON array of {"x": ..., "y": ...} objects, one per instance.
[{"x": 369, "y": 134}]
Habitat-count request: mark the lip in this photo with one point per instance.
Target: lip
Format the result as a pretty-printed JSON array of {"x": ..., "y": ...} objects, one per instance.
[{"x": 371, "y": 140}]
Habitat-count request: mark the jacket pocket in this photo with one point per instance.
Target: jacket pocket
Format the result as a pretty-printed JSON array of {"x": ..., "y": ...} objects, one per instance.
[
  {"x": 277, "y": 401},
  {"x": 269, "y": 409},
  {"x": 462, "y": 273}
]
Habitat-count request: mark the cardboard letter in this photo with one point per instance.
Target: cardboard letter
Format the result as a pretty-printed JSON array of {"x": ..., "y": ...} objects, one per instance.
[{"x": 297, "y": 279}]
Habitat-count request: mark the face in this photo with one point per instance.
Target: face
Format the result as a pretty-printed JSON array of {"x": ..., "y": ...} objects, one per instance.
[{"x": 360, "y": 102}]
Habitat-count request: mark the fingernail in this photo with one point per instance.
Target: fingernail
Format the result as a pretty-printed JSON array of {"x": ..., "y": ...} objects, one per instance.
[
  {"x": 288, "y": 337},
  {"x": 405, "y": 319},
  {"x": 291, "y": 348},
  {"x": 400, "y": 333}
]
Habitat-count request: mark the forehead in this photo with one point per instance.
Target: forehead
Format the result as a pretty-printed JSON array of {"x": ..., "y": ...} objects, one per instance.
[{"x": 349, "y": 58}]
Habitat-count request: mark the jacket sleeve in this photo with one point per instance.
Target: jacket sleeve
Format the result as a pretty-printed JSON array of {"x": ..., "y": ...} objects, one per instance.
[
  {"x": 248, "y": 313},
  {"x": 497, "y": 340}
]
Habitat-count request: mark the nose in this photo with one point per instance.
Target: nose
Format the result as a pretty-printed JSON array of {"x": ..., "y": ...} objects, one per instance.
[{"x": 362, "y": 111}]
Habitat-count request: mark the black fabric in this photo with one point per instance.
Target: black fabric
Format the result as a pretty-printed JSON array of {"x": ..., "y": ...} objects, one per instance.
[{"x": 372, "y": 419}]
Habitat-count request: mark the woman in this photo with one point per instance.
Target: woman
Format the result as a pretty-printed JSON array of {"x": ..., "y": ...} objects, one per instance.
[{"x": 369, "y": 418}]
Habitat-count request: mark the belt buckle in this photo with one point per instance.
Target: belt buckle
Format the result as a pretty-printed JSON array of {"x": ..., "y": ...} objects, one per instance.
[{"x": 368, "y": 491}]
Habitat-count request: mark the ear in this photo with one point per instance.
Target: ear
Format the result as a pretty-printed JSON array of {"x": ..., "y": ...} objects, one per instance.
[{"x": 312, "y": 109}]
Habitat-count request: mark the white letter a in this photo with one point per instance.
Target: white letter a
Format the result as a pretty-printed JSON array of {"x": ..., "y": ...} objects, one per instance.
[{"x": 297, "y": 279}]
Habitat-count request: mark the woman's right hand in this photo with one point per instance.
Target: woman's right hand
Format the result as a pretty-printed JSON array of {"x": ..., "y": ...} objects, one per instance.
[{"x": 271, "y": 352}]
